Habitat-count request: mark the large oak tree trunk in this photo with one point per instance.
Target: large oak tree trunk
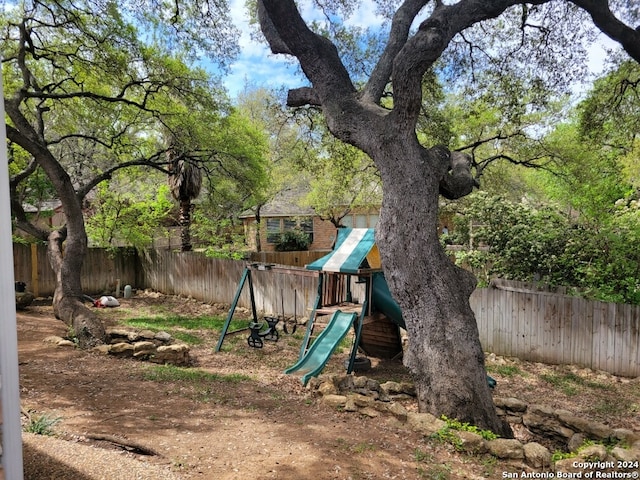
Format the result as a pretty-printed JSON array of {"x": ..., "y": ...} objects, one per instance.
[
  {"x": 444, "y": 353},
  {"x": 66, "y": 259},
  {"x": 66, "y": 246}
]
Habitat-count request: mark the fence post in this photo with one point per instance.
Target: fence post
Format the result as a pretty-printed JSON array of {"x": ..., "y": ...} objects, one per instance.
[{"x": 35, "y": 287}]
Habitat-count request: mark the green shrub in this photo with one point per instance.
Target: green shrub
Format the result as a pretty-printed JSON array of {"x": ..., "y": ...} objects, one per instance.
[{"x": 293, "y": 241}]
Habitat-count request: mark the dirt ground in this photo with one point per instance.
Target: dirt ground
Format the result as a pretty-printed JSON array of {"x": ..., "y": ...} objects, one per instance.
[{"x": 261, "y": 425}]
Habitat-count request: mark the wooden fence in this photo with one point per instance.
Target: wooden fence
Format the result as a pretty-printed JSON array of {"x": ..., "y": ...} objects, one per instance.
[
  {"x": 292, "y": 289},
  {"x": 514, "y": 319},
  {"x": 520, "y": 320},
  {"x": 102, "y": 270},
  {"x": 296, "y": 259}
]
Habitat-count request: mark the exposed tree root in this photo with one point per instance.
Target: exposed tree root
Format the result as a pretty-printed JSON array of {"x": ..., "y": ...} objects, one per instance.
[{"x": 128, "y": 445}]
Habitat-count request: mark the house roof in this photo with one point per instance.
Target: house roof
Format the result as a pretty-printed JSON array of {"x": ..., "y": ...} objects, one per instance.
[
  {"x": 43, "y": 206},
  {"x": 354, "y": 250},
  {"x": 286, "y": 203}
]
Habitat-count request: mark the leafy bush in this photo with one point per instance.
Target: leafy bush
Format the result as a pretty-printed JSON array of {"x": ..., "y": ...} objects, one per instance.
[
  {"x": 516, "y": 241},
  {"x": 293, "y": 241}
]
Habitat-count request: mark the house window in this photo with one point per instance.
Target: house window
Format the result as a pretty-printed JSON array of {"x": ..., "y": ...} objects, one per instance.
[
  {"x": 360, "y": 220},
  {"x": 277, "y": 226},
  {"x": 274, "y": 229}
]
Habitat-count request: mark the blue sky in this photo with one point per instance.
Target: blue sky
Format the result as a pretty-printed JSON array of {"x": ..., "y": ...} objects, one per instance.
[{"x": 256, "y": 66}]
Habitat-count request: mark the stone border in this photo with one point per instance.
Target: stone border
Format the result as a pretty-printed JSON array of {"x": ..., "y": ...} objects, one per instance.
[
  {"x": 155, "y": 347},
  {"x": 370, "y": 398}
]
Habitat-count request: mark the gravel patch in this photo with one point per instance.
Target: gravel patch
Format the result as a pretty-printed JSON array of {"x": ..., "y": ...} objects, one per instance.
[{"x": 49, "y": 458}]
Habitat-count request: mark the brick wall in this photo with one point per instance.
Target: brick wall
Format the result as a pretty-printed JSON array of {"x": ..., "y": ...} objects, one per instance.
[{"x": 324, "y": 234}]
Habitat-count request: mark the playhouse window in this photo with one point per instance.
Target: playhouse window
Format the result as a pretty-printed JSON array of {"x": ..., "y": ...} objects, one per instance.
[{"x": 277, "y": 226}]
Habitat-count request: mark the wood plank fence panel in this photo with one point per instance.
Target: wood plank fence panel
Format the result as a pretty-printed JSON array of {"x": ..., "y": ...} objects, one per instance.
[
  {"x": 482, "y": 314},
  {"x": 100, "y": 272},
  {"x": 533, "y": 323},
  {"x": 295, "y": 259},
  {"x": 566, "y": 344},
  {"x": 216, "y": 281},
  {"x": 601, "y": 320}
]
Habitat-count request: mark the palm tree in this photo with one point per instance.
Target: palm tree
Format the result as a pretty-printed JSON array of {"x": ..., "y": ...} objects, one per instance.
[{"x": 185, "y": 182}]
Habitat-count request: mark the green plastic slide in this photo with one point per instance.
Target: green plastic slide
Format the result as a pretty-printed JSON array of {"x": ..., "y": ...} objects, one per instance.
[
  {"x": 383, "y": 301},
  {"x": 312, "y": 363}
]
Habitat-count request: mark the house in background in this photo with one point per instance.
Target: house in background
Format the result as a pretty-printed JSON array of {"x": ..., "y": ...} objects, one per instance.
[
  {"x": 284, "y": 213},
  {"x": 48, "y": 214}
]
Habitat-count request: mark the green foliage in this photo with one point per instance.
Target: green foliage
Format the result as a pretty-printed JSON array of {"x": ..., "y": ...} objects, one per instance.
[
  {"x": 453, "y": 424},
  {"x": 171, "y": 373},
  {"x": 221, "y": 238},
  {"x": 71, "y": 334},
  {"x": 342, "y": 178},
  {"x": 128, "y": 211},
  {"x": 237, "y": 172},
  {"x": 587, "y": 177},
  {"x": 610, "y": 114},
  {"x": 331, "y": 176},
  {"x": 505, "y": 370},
  {"x": 293, "y": 241},
  {"x": 20, "y": 240},
  {"x": 116, "y": 98},
  {"x": 42, "y": 425},
  {"x": 523, "y": 242},
  {"x": 570, "y": 383},
  {"x": 228, "y": 252},
  {"x": 187, "y": 338},
  {"x": 608, "y": 443},
  {"x": 447, "y": 434},
  {"x": 187, "y": 323}
]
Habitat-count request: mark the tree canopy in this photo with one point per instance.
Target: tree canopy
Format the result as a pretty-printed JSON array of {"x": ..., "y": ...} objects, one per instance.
[{"x": 93, "y": 87}]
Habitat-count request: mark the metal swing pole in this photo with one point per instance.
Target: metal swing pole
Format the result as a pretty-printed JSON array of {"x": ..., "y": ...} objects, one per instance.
[{"x": 246, "y": 274}]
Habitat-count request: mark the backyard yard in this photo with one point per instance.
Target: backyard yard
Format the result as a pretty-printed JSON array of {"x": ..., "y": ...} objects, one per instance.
[{"x": 235, "y": 415}]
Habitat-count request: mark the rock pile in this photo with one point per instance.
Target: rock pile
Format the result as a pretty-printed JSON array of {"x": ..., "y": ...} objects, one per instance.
[
  {"x": 368, "y": 397},
  {"x": 156, "y": 347}
]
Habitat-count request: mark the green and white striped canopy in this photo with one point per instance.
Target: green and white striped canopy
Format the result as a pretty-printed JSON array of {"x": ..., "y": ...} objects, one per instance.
[{"x": 353, "y": 246}]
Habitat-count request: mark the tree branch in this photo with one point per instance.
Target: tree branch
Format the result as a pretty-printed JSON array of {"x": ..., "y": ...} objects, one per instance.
[
  {"x": 318, "y": 57},
  {"x": 422, "y": 50},
  {"x": 615, "y": 29},
  {"x": 299, "y": 97},
  {"x": 270, "y": 32},
  {"x": 458, "y": 181},
  {"x": 400, "y": 27},
  {"x": 152, "y": 162}
]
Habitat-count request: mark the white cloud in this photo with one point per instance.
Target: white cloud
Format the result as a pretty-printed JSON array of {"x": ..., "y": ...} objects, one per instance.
[
  {"x": 255, "y": 64},
  {"x": 365, "y": 16}
]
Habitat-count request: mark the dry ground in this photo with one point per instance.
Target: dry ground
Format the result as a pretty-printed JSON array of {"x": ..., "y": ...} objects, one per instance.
[{"x": 247, "y": 419}]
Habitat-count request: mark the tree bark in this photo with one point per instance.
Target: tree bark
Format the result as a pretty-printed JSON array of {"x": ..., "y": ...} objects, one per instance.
[
  {"x": 66, "y": 260},
  {"x": 185, "y": 225},
  {"x": 67, "y": 246},
  {"x": 444, "y": 353}
]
